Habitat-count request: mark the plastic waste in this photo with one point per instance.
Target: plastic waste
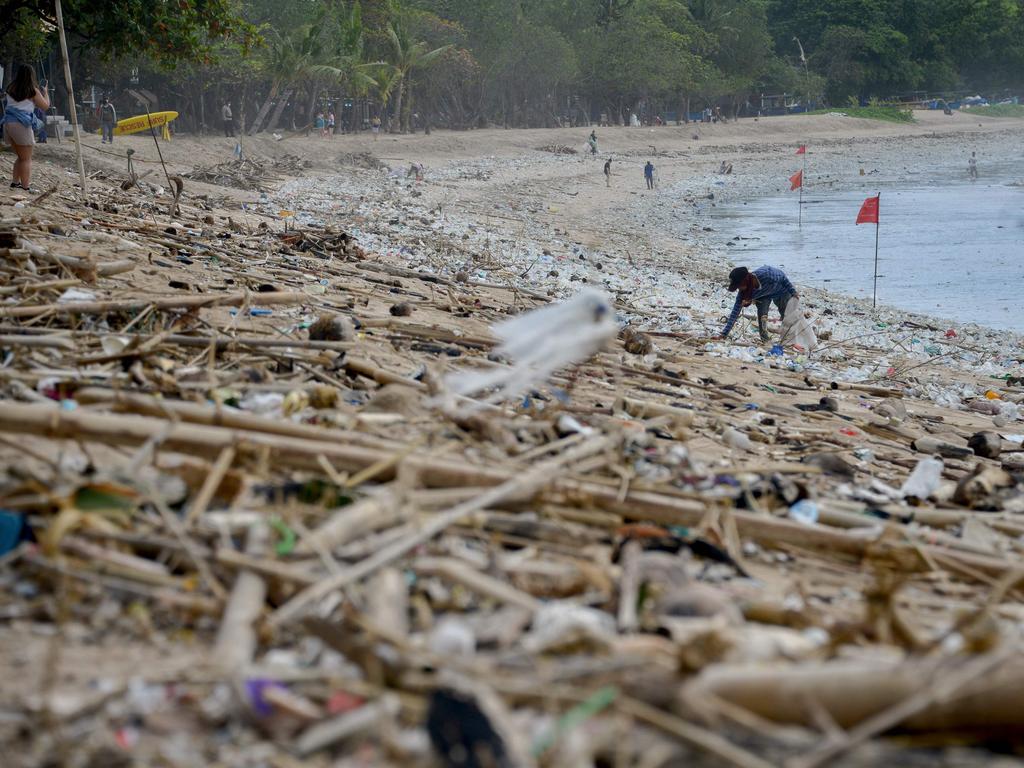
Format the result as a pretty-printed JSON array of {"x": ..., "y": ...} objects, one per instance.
[
  {"x": 804, "y": 511},
  {"x": 541, "y": 342},
  {"x": 737, "y": 440},
  {"x": 12, "y": 530},
  {"x": 864, "y": 454},
  {"x": 796, "y": 329},
  {"x": 924, "y": 480},
  {"x": 452, "y": 636},
  {"x": 75, "y": 294}
]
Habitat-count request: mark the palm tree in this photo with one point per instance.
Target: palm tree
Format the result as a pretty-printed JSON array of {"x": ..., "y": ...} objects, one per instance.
[
  {"x": 290, "y": 59},
  {"x": 407, "y": 55},
  {"x": 386, "y": 78},
  {"x": 344, "y": 64}
]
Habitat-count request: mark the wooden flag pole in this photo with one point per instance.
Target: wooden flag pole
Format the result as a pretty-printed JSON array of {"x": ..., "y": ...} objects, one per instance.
[
  {"x": 878, "y": 219},
  {"x": 71, "y": 94}
]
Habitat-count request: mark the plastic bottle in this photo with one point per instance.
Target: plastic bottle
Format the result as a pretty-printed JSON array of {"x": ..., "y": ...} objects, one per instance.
[{"x": 925, "y": 479}]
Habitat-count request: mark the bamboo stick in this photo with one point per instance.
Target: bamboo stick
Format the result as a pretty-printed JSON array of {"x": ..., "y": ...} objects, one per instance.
[
  {"x": 853, "y": 691},
  {"x": 488, "y": 586},
  {"x": 137, "y": 305},
  {"x": 527, "y": 483},
  {"x": 48, "y": 420}
]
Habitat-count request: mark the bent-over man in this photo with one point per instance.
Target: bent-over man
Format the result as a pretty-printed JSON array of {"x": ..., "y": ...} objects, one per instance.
[{"x": 761, "y": 287}]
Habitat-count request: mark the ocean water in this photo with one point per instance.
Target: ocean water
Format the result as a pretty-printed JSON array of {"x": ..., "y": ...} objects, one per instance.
[{"x": 948, "y": 246}]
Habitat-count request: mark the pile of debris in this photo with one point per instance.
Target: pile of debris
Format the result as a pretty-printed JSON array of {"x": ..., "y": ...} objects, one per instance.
[
  {"x": 248, "y": 517},
  {"x": 557, "y": 149},
  {"x": 249, "y": 173},
  {"x": 366, "y": 160}
]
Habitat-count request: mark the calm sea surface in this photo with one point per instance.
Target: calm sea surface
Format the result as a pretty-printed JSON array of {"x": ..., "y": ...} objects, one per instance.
[{"x": 947, "y": 246}]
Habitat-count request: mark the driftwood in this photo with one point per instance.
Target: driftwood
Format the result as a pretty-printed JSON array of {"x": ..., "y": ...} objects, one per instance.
[
  {"x": 137, "y": 305},
  {"x": 851, "y": 692}
]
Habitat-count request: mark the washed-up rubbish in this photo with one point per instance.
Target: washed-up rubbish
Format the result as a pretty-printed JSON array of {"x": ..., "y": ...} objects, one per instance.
[
  {"x": 804, "y": 511},
  {"x": 541, "y": 342},
  {"x": 796, "y": 330},
  {"x": 924, "y": 480},
  {"x": 249, "y": 539}
]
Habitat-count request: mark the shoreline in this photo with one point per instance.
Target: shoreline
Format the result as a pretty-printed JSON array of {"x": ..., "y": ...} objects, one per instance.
[{"x": 671, "y": 282}]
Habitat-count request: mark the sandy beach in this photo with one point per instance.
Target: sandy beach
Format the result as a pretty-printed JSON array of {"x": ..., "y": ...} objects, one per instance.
[{"x": 827, "y": 508}]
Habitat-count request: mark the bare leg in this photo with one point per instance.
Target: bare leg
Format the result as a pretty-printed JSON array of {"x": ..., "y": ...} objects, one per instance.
[{"x": 23, "y": 165}]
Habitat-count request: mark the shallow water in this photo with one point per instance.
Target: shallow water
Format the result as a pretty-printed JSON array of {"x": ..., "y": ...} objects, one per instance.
[{"x": 948, "y": 247}]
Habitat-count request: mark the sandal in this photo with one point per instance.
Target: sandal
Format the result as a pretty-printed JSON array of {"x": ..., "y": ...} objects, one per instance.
[{"x": 16, "y": 185}]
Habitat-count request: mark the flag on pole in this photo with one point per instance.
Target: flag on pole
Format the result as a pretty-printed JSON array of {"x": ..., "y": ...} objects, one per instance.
[
  {"x": 802, "y": 150},
  {"x": 869, "y": 211},
  {"x": 796, "y": 181}
]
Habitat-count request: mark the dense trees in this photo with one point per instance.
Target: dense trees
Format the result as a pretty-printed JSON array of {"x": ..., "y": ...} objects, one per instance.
[{"x": 524, "y": 62}]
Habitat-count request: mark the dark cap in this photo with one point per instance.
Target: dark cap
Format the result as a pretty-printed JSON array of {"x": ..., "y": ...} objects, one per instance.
[{"x": 736, "y": 277}]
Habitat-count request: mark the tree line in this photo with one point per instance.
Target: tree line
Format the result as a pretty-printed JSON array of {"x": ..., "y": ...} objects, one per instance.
[{"x": 518, "y": 63}]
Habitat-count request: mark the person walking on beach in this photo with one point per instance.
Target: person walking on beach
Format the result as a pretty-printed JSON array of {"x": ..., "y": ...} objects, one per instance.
[
  {"x": 108, "y": 119},
  {"x": 761, "y": 287},
  {"x": 593, "y": 142},
  {"x": 649, "y": 174},
  {"x": 608, "y": 172},
  {"x": 972, "y": 167},
  {"x": 18, "y": 121},
  {"x": 228, "y": 118}
]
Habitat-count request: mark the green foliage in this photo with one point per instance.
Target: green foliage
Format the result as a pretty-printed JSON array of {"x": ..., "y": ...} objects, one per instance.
[
  {"x": 886, "y": 114},
  {"x": 536, "y": 62},
  {"x": 999, "y": 110},
  {"x": 167, "y": 32}
]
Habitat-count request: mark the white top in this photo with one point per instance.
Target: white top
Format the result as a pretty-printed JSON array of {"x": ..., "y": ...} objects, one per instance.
[{"x": 25, "y": 105}]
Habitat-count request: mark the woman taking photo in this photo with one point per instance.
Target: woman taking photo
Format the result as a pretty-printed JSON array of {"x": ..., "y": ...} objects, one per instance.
[{"x": 19, "y": 121}]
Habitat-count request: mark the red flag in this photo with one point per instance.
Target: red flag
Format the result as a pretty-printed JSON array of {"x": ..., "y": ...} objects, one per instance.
[
  {"x": 868, "y": 211},
  {"x": 796, "y": 180},
  {"x": 802, "y": 150}
]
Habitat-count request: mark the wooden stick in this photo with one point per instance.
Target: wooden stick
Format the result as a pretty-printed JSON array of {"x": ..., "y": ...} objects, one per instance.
[
  {"x": 193, "y": 413},
  {"x": 56, "y": 341},
  {"x": 298, "y": 453},
  {"x": 937, "y": 690},
  {"x": 455, "y": 570},
  {"x": 136, "y": 305},
  {"x": 690, "y": 734},
  {"x": 236, "y": 641},
  {"x": 71, "y": 94},
  {"x": 853, "y": 691},
  {"x": 210, "y": 485},
  {"x": 528, "y": 483},
  {"x": 381, "y": 510}
]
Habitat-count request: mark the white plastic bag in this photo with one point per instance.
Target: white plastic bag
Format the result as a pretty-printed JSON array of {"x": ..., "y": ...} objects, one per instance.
[{"x": 796, "y": 329}]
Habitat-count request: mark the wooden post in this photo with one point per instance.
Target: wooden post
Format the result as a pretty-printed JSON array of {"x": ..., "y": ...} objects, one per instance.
[{"x": 71, "y": 94}]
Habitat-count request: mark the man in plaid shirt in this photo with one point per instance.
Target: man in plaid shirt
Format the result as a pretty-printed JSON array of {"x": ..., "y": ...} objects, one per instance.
[{"x": 760, "y": 287}]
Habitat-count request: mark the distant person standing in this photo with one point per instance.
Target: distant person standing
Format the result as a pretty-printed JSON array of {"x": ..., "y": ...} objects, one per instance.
[
  {"x": 108, "y": 119},
  {"x": 23, "y": 97},
  {"x": 972, "y": 167},
  {"x": 608, "y": 172},
  {"x": 375, "y": 127},
  {"x": 330, "y": 123},
  {"x": 593, "y": 142},
  {"x": 228, "y": 118},
  {"x": 649, "y": 174}
]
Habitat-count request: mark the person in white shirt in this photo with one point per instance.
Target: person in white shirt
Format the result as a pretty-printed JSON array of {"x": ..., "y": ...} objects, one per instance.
[
  {"x": 228, "y": 118},
  {"x": 19, "y": 121}
]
